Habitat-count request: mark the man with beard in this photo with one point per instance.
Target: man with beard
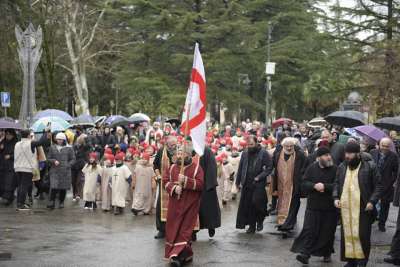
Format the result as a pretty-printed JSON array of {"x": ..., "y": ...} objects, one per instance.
[
  {"x": 161, "y": 164},
  {"x": 289, "y": 162},
  {"x": 254, "y": 167},
  {"x": 183, "y": 185},
  {"x": 318, "y": 234},
  {"x": 356, "y": 190},
  {"x": 388, "y": 166}
]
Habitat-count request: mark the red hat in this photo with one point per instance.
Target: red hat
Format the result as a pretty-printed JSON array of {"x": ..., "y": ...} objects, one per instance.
[
  {"x": 146, "y": 156},
  {"x": 235, "y": 148},
  {"x": 109, "y": 157},
  {"x": 229, "y": 141},
  {"x": 120, "y": 156},
  {"x": 93, "y": 155},
  {"x": 108, "y": 151},
  {"x": 219, "y": 158},
  {"x": 323, "y": 143}
]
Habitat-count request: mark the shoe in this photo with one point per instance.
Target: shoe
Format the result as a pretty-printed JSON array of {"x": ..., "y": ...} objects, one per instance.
[
  {"x": 86, "y": 208},
  {"x": 251, "y": 230},
  {"x": 302, "y": 258},
  {"x": 224, "y": 202},
  {"x": 194, "y": 237},
  {"x": 260, "y": 227},
  {"x": 135, "y": 212},
  {"x": 41, "y": 196},
  {"x": 30, "y": 201},
  {"x": 74, "y": 200},
  {"x": 159, "y": 235},
  {"x": 327, "y": 259},
  {"x": 382, "y": 228},
  {"x": 61, "y": 205},
  {"x": 211, "y": 232},
  {"x": 234, "y": 197},
  {"x": 350, "y": 264},
  {"x": 175, "y": 262},
  {"x": 392, "y": 261},
  {"x": 24, "y": 207},
  {"x": 77, "y": 198}
]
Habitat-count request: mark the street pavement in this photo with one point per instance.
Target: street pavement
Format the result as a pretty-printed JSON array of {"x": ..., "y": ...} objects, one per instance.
[{"x": 76, "y": 237}]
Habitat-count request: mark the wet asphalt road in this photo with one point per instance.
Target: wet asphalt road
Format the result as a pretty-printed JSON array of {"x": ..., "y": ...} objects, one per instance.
[{"x": 77, "y": 237}]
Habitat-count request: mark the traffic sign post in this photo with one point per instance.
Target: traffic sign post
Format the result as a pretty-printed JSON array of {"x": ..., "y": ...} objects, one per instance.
[{"x": 5, "y": 101}]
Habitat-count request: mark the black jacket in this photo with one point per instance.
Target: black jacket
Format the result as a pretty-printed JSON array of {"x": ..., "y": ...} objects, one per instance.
[
  {"x": 369, "y": 181},
  {"x": 263, "y": 167},
  {"x": 388, "y": 174},
  {"x": 299, "y": 168}
]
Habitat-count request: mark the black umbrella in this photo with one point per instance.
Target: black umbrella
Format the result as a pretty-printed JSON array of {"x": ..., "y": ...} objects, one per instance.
[
  {"x": 346, "y": 118},
  {"x": 389, "y": 123},
  {"x": 176, "y": 121}
]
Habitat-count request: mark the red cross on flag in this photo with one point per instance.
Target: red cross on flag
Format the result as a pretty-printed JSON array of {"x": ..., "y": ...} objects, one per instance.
[{"x": 194, "y": 113}]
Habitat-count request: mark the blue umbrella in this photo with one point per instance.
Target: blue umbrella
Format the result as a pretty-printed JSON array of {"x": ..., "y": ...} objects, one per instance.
[
  {"x": 52, "y": 113},
  {"x": 84, "y": 120},
  {"x": 56, "y": 124}
]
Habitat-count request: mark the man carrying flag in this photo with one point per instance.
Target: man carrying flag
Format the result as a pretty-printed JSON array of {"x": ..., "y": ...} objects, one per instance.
[{"x": 185, "y": 179}]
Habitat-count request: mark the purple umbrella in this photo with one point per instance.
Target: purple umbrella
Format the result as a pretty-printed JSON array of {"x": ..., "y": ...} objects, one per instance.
[
  {"x": 9, "y": 124},
  {"x": 371, "y": 132}
]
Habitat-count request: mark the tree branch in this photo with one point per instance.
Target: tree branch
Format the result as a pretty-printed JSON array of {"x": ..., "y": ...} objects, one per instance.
[
  {"x": 89, "y": 42},
  {"x": 63, "y": 66}
]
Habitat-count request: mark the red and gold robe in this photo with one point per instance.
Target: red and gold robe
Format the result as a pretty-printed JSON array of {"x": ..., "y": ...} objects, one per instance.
[{"x": 183, "y": 212}]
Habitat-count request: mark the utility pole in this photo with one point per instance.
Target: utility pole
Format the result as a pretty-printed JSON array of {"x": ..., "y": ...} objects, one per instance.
[{"x": 269, "y": 71}]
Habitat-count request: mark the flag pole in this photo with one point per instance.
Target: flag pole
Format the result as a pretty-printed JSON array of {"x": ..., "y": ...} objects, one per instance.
[
  {"x": 188, "y": 110},
  {"x": 187, "y": 115}
]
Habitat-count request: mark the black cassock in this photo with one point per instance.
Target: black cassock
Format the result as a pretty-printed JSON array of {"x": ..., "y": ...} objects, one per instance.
[
  {"x": 209, "y": 213},
  {"x": 395, "y": 248},
  {"x": 320, "y": 219}
]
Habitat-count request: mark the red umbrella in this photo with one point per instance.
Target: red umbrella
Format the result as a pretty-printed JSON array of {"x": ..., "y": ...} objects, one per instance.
[{"x": 280, "y": 122}]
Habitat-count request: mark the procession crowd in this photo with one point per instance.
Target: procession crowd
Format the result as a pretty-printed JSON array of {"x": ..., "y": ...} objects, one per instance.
[{"x": 154, "y": 169}]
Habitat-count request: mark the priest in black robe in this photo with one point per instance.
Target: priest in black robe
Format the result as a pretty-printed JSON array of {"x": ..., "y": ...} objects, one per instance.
[
  {"x": 254, "y": 167},
  {"x": 318, "y": 234},
  {"x": 357, "y": 189},
  {"x": 209, "y": 213}
]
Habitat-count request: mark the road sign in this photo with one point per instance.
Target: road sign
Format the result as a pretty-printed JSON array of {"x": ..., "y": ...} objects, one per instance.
[{"x": 5, "y": 99}]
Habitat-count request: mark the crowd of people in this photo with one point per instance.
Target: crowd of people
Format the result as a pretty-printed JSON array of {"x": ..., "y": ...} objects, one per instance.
[{"x": 345, "y": 180}]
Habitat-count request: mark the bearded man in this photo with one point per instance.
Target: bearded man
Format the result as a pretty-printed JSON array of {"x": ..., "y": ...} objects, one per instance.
[
  {"x": 357, "y": 189},
  {"x": 289, "y": 162},
  {"x": 318, "y": 234}
]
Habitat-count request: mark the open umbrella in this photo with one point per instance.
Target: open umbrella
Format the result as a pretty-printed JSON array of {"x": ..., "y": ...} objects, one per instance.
[
  {"x": 116, "y": 120},
  {"x": 99, "y": 119},
  {"x": 6, "y": 123},
  {"x": 56, "y": 124},
  {"x": 371, "y": 132},
  {"x": 280, "y": 122},
  {"x": 139, "y": 117},
  {"x": 316, "y": 122},
  {"x": 389, "y": 123},
  {"x": 52, "y": 113},
  {"x": 346, "y": 118},
  {"x": 83, "y": 120}
]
